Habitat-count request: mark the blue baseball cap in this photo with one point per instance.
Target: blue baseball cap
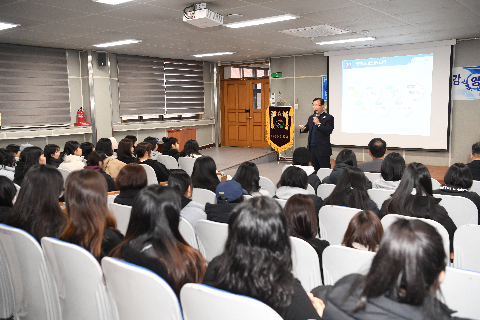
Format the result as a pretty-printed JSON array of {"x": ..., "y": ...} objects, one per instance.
[{"x": 230, "y": 189}]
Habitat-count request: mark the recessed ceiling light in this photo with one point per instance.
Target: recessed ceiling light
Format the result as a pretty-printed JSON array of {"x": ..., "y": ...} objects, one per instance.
[
  {"x": 112, "y": 2},
  {"x": 234, "y": 15},
  {"x": 6, "y": 25},
  {"x": 256, "y": 22},
  {"x": 212, "y": 54},
  {"x": 116, "y": 43},
  {"x": 346, "y": 40}
]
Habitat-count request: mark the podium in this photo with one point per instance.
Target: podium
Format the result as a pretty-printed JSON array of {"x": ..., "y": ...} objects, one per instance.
[{"x": 183, "y": 135}]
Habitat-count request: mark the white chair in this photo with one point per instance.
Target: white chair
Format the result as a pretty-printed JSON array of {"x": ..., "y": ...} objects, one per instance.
[
  {"x": 186, "y": 164},
  {"x": 151, "y": 175},
  {"x": 339, "y": 261},
  {"x": 79, "y": 281},
  {"x": 306, "y": 266},
  {"x": 281, "y": 202},
  {"x": 333, "y": 222},
  {"x": 372, "y": 176},
  {"x": 466, "y": 246},
  {"x": 324, "y": 190},
  {"x": 111, "y": 198},
  {"x": 29, "y": 281},
  {"x": 379, "y": 196},
  {"x": 122, "y": 214},
  {"x": 188, "y": 233},
  {"x": 460, "y": 289},
  {"x": 6, "y": 289},
  {"x": 203, "y": 196},
  {"x": 201, "y": 302},
  {"x": 212, "y": 237},
  {"x": 64, "y": 173},
  {"x": 310, "y": 189},
  {"x": 322, "y": 173},
  {"x": 462, "y": 210},
  {"x": 268, "y": 185},
  {"x": 168, "y": 161},
  {"x": 138, "y": 293},
  {"x": 435, "y": 184},
  {"x": 475, "y": 187},
  {"x": 391, "y": 218}
]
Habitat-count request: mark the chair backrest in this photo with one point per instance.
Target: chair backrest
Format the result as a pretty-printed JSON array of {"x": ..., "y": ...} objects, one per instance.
[
  {"x": 435, "y": 184},
  {"x": 333, "y": 222},
  {"x": 151, "y": 175},
  {"x": 466, "y": 246},
  {"x": 379, "y": 195},
  {"x": 339, "y": 261},
  {"x": 475, "y": 187},
  {"x": 79, "y": 281},
  {"x": 122, "y": 214},
  {"x": 372, "y": 176},
  {"x": 168, "y": 161},
  {"x": 186, "y": 163},
  {"x": 201, "y": 302},
  {"x": 462, "y": 210},
  {"x": 64, "y": 173},
  {"x": 460, "y": 289},
  {"x": 212, "y": 237},
  {"x": 203, "y": 196},
  {"x": 323, "y": 173},
  {"x": 310, "y": 189},
  {"x": 111, "y": 198},
  {"x": 6, "y": 289},
  {"x": 138, "y": 293},
  {"x": 324, "y": 190},
  {"x": 306, "y": 266},
  {"x": 188, "y": 233},
  {"x": 391, "y": 218},
  {"x": 267, "y": 184},
  {"x": 33, "y": 286},
  {"x": 281, "y": 202}
]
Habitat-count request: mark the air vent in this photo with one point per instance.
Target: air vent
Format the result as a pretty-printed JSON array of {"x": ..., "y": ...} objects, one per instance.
[{"x": 315, "y": 31}]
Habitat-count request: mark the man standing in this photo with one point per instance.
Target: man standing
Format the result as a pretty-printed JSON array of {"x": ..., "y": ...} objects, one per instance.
[
  {"x": 319, "y": 127},
  {"x": 475, "y": 164},
  {"x": 376, "y": 149}
]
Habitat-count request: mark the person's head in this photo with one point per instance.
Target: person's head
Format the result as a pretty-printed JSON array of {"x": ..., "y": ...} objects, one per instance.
[
  {"x": 51, "y": 151},
  {"x": 351, "y": 190},
  {"x": 125, "y": 149},
  {"x": 14, "y": 148},
  {"x": 7, "y": 192},
  {"x": 204, "y": 174},
  {"x": 257, "y": 258},
  {"x": 408, "y": 267},
  {"x": 248, "y": 176},
  {"x": 132, "y": 176},
  {"x": 416, "y": 176},
  {"x": 96, "y": 158},
  {"x": 302, "y": 157},
  {"x": 180, "y": 181},
  {"x": 229, "y": 191},
  {"x": 36, "y": 209},
  {"x": 153, "y": 142},
  {"x": 393, "y": 167},
  {"x": 318, "y": 105},
  {"x": 170, "y": 143},
  {"x": 72, "y": 148},
  {"x": 364, "y": 228},
  {"x": 7, "y": 158},
  {"x": 105, "y": 145},
  {"x": 377, "y": 148},
  {"x": 190, "y": 147},
  {"x": 475, "y": 151},
  {"x": 86, "y": 147},
  {"x": 32, "y": 156},
  {"x": 459, "y": 174},
  {"x": 301, "y": 217},
  {"x": 293, "y": 177},
  {"x": 133, "y": 139},
  {"x": 143, "y": 150},
  {"x": 346, "y": 156}
]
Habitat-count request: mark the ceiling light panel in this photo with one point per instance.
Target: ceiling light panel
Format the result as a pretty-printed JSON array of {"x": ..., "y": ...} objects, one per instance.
[
  {"x": 315, "y": 31},
  {"x": 212, "y": 54},
  {"x": 346, "y": 40},
  {"x": 256, "y": 22},
  {"x": 112, "y": 2},
  {"x": 6, "y": 25},
  {"x": 116, "y": 43}
]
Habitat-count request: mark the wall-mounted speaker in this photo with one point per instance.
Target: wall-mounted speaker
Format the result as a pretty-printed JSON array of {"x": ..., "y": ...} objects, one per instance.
[{"x": 102, "y": 59}]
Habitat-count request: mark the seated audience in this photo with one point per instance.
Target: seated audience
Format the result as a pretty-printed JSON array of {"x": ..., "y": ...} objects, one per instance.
[
  {"x": 111, "y": 165},
  {"x": 90, "y": 224},
  {"x": 37, "y": 210},
  {"x": 52, "y": 155},
  {"x": 248, "y": 176},
  {"x": 125, "y": 151},
  {"x": 15, "y": 149},
  {"x": 303, "y": 223},
  {"x": 144, "y": 156},
  {"x": 257, "y": 261},
  {"x": 96, "y": 161},
  {"x": 130, "y": 180},
  {"x": 376, "y": 149},
  {"x": 345, "y": 158},
  {"x": 392, "y": 170},
  {"x": 458, "y": 181},
  {"x": 229, "y": 194},
  {"x": 475, "y": 164},
  {"x": 301, "y": 159},
  {"x": 7, "y": 164},
  {"x": 191, "y": 149},
  {"x": 7, "y": 194},
  {"x": 403, "y": 280},
  {"x": 133, "y": 139},
  {"x": 86, "y": 147},
  {"x": 204, "y": 174},
  {"x": 171, "y": 147},
  {"x": 351, "y": 191},
  {"x": 154, "y": 143},
  {"x": 295, "y": 181},
  {"x": 29, "y": 157},
  {"x": 422, "y": 204},
  {"x": 364, "y": 232},
  {"x": 72, "y": 157},
  {"x": 153, "y": 240},
  {"x": 192, "y": 211}
]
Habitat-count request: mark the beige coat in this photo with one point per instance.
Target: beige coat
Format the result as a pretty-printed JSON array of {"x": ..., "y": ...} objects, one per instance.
[{"x": 113, "y": 166}]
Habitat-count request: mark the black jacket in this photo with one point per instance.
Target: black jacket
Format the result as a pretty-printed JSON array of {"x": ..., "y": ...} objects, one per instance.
[
  {"x": 110, "y": 181},
  {"x": 219, "y": 212},
  {"x": 322, "y": 134},
  {"x": 54, "y": 162},
  {"x": 127, "y": 160},
  {"x": 475, "y": 168},
  {"x": 337, "y": 172},
  {"x": 19, "y": 174},
  {"x": 172, "y": 152},
  {"x": 125, "y": 197}
]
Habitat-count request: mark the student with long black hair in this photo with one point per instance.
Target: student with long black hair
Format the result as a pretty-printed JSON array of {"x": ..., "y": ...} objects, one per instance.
[
  {"x": 171, "y": 147},
  {"x": 52, "y": 154},
  {"x": 29, "y": 157},
  {"x": 72, "y": 156},
  {"x": 204, "y": 174},
  {"x": 248, "y": 176},
  {"x": 391, "y": 171}
]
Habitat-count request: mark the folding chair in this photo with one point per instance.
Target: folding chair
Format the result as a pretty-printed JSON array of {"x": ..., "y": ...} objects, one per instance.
[
  {"x": 333, "y": 222},
  {"x": 212, "y": 237},
  {"x": 306, "y": 266},
  {"x": 168, "y": 161},
  {"x": 267, "y": 184},
  {"x": 203, "y": 196},
  {"x": 186, "y": 164},
  {"x": 460, "y": 289},
  {"x": 122, "y": 214},
  {"x": 466, "y": 246}
]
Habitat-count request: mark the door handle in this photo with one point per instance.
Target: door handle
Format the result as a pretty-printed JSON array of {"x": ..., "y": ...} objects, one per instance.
[{"x": 250, "y": 118}]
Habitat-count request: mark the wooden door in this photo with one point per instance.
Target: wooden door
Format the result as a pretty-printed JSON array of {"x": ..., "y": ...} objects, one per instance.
[{"x": 260, "y": 102}]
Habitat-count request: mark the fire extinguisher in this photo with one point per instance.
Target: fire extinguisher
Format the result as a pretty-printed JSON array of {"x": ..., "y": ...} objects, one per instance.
[{"x": 81, "y": 119}]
